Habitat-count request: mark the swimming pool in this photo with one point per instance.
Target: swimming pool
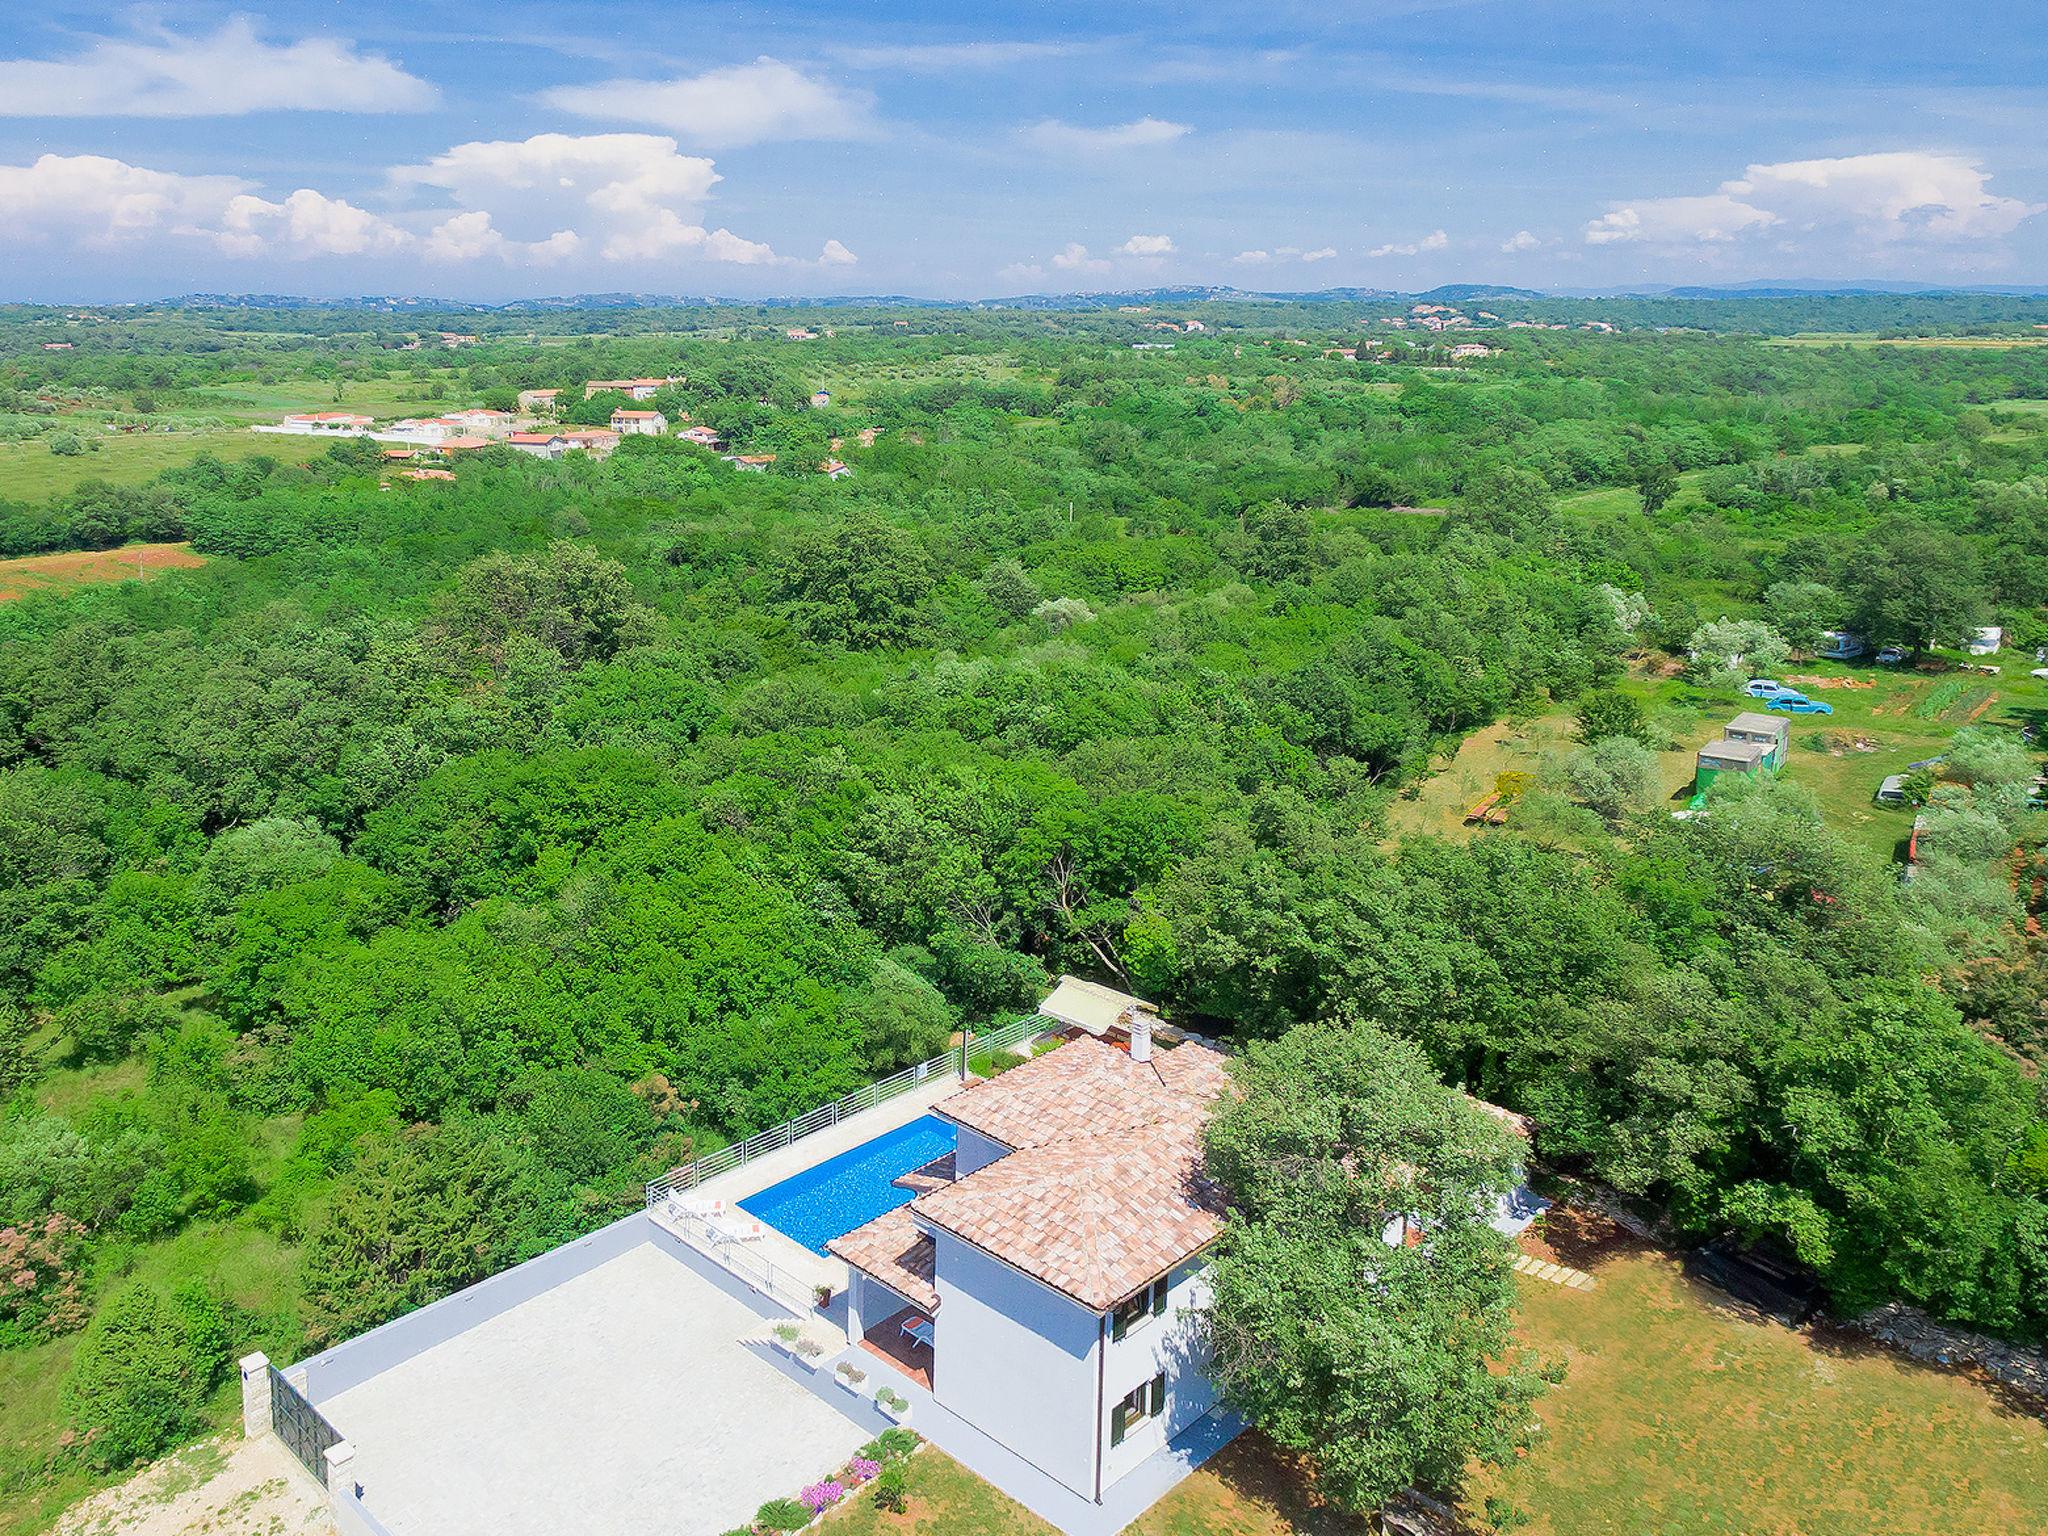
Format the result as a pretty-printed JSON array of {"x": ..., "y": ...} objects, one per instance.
[{"x": 853, "y": 1188}]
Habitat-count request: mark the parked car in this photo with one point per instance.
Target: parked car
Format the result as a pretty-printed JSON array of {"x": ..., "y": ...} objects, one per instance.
[
  {"x": 1892, "y": 655},
  {"x": 1799, "y": 704},
  {"x": 1765, "y": 688}
]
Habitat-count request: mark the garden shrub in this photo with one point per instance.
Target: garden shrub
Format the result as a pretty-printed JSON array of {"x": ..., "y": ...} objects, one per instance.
[{"x": 145, "y": 1369}]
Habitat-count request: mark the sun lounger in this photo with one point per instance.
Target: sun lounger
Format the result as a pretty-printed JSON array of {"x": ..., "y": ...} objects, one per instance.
[{"x": 919, "y": 1330}]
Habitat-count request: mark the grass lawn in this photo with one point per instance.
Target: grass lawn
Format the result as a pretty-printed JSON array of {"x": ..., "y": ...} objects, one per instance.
[
  {"x": 30, "y": 473},
  {"x": 1681, "y": 1417},
  {"x": 1245, "y": 1489},
  {"x": 1242, "y": 1491},
  {"x": 944, "y": 1498}
]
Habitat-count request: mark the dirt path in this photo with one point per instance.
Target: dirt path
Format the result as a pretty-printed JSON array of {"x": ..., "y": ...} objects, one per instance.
[{"x": 219, "y": 1487}]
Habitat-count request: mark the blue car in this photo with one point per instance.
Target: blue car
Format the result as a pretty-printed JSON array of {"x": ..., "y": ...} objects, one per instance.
[{"x": 1799, "y": 704}]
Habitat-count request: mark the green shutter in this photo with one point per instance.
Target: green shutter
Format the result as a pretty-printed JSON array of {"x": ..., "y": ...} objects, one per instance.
[
  {"x": 1159, "y": 1299},
  {"x": 1116, "y": 1425},
  {"x": 1158, "y": 1394},
  {"x": 1118, "y": 1324}
]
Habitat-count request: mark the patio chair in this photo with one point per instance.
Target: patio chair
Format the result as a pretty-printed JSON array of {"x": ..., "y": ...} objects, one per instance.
[{"x": 919, "y": 1330}]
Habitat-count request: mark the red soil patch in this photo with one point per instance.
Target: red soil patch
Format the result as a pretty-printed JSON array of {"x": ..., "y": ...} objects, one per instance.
[{"x": 90, "y": 567}]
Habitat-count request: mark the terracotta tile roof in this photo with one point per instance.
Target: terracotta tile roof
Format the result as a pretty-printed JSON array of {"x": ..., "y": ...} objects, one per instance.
[
  {"x": 892, "y": 1250},
  {"x": 1085, "y": 1085},
  {"x": 1105, "y": 1190},
  {"x": 1097, "y": 1216}
]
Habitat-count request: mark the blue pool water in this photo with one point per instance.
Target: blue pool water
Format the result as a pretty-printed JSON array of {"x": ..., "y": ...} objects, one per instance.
[{"x": 853, "y": 1188}]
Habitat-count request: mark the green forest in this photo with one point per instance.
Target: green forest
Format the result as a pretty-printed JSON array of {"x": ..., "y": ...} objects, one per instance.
[{"x": 385, "y": 900}]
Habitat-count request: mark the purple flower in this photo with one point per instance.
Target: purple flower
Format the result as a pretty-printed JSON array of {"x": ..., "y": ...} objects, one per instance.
[
  {"x": 861, "y": 1470},
  {"x": 821, "y": 1496}
]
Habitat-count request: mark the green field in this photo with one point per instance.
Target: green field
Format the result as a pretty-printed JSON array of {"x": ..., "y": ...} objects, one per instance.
[
  {"x": 29, "y": 472},
  {"x": 1902, "y": 717}
]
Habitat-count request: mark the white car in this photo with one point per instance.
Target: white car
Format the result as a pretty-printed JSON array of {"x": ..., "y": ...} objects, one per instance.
[
  {"x": 1764, "y": 688},
  {"x": 1892, "y": 655},
  {"x": 2039, "y": 672}
]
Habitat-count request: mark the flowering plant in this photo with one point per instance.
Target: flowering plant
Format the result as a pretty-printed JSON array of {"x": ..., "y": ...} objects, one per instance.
[
  {"x": 819, "y": 1497},
  {"x": 861, "y": 1470}
]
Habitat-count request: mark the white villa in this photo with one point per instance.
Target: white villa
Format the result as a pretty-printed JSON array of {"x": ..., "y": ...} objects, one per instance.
[
  {"x": 1058, "y": 1261},
  {"x": 1029, "y": 1296}
]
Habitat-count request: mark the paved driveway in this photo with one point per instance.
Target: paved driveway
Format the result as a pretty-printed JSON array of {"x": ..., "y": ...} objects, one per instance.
[{"x": 621, "y": 1402}]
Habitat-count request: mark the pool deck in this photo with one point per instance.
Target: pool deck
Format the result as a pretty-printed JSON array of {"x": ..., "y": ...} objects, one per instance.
[{"x": 785, "y": 1252}]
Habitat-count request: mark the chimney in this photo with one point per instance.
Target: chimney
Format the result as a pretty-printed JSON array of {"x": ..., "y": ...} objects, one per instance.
[{"x": 1141, "y": 1034}]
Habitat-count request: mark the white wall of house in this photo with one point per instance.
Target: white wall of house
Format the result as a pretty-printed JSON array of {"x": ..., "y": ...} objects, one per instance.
[
  {"x": 1169, "y": 1345},
  {"x": 973, "y": 1151},
  {"x": 1017, "y": 1360}
]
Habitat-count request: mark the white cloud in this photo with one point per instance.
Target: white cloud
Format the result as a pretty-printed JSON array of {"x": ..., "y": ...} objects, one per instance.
[
  {"x": 538, "y": 201},
  {"x": 1021, "y": 272},
  {"x": 1436, "y": 240},
  {"x": 307, "y": 223},
  {"x": 101, "y": 201},
  {"x": 1075, "y": 258},
  {"x": 1147, "y": 245},
  {"x": 1262, "y": 257},
  {"x": 1520, "y": 240},
  {"x": 1070, "y": 138},
  {"x": 836, "y": 255},
  {"x": 231, "y": 73},
  {"x": 1675, "y": 220},
  {"x": 633, "y": 193},
  {"x": 1883, "y": 198},
  {"x": 743, "y": 104}
]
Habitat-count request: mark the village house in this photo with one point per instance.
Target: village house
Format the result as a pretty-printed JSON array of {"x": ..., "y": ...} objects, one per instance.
[
  {"x": 703, "y": 437},
  {"x": 540, "y": 445},
  {"x": 332, "y": 423},
  {"x": 832, "y": 469},
  {"x": 598, "y": 442},
  {"x": 800, "y": 333},
  {"x": 820, "y": 399},
  {"x": 753, "y": 463},
  {"x": 1465, "y": 349},
  {"x": 538, "y": 401},
  {"x": 479, "y": 421},
  {"x": 639, "y": 423},
  {"x": 632, "y": 389}
]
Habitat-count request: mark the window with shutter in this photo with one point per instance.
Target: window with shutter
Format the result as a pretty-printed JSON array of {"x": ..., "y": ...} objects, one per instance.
[
  {"x": 1158, "y": 1394},
  {"x": 1118, "y": 1421}
]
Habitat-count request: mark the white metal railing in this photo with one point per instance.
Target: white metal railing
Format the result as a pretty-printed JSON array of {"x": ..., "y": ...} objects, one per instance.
[
  {"x": 775, "y": 1138},
  {"x": 734, "y": 1255}
]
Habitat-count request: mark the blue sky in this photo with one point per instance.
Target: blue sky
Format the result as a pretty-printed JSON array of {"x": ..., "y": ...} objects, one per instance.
[{"x": 489, "y": 151}]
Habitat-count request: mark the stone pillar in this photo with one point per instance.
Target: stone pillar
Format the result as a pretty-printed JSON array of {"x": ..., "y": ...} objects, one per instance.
[
  {"x": 344, "y": 1469},
  {"x": 255, "y": 1395}
]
